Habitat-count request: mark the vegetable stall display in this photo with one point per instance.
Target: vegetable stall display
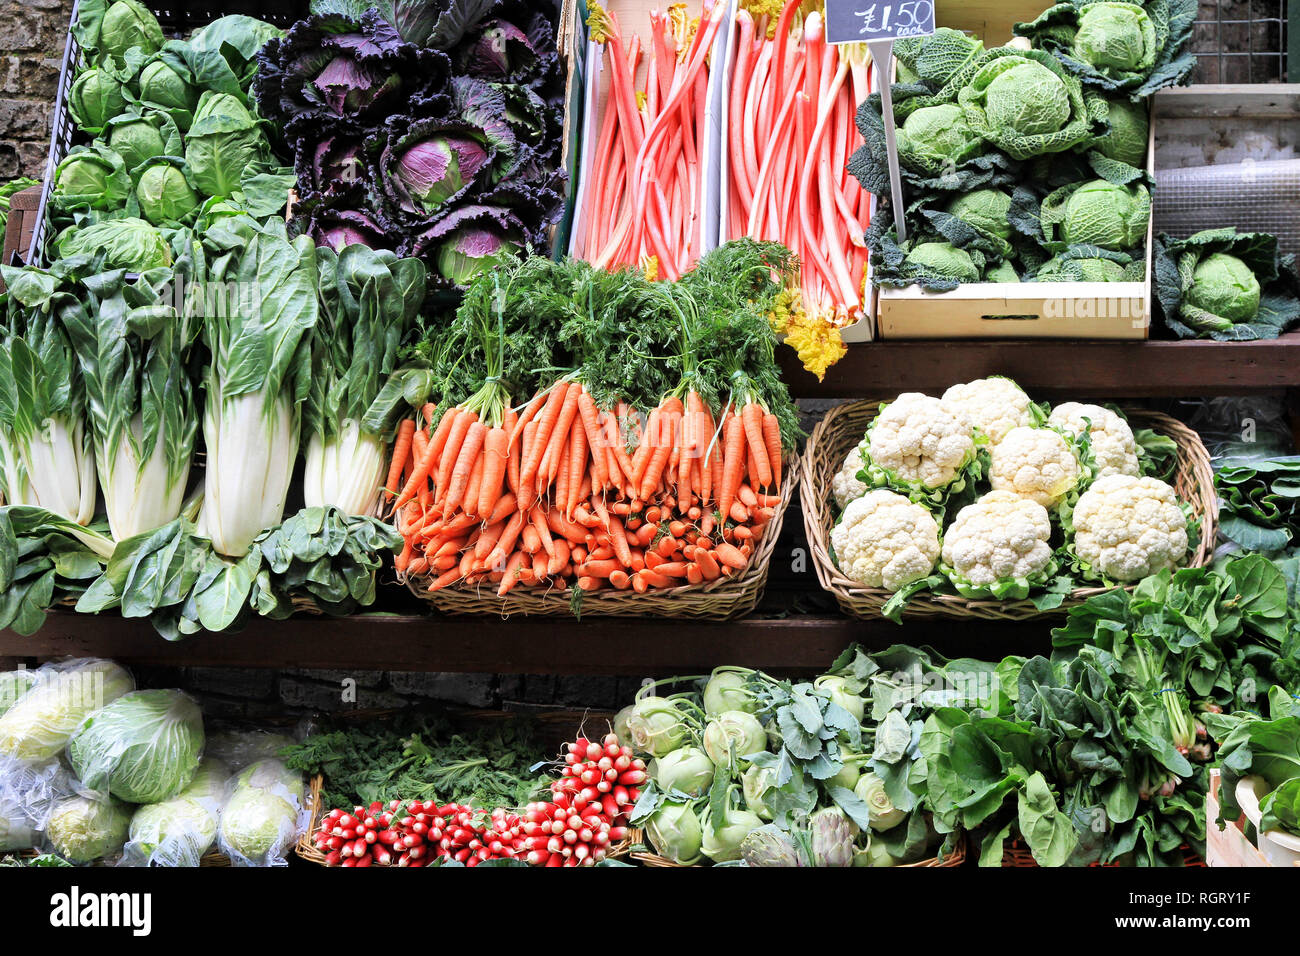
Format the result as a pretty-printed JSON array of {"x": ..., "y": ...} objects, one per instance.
[
  {"x": 557, "y": 460},
  {"x": 431, "y": 129},
  {"x": 1025, "y": 162},
  {"x": 983, "y": 502}
]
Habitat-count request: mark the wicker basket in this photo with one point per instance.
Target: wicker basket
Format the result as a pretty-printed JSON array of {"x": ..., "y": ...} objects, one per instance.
[
  {"x": 721, "y": 600},
  {"x": 570, "y": 720},
  {"x": 842, "y": 429},
  {"x": 211, "y": 858},
  {"x": 1016, "y": 854},
  {"x": 646, "y": 858}
]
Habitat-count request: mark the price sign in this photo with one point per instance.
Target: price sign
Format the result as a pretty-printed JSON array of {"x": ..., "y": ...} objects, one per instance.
[{"x": 867, "y": 21}]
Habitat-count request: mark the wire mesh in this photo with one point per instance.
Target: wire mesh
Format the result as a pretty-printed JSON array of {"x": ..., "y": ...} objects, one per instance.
[
  {"x": 1253, "y": 196},
  {"x": 1241, "y": 41}
]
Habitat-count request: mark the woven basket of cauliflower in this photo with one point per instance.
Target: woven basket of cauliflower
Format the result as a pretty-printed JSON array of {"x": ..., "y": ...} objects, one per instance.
[{"x": 985, "y": 503}]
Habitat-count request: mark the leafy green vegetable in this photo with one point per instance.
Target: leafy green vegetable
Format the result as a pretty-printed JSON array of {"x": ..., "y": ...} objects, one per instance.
[{"x": 1259, "y": 501}]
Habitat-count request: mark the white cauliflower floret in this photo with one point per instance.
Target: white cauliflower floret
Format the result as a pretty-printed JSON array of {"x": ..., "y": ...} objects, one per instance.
[
  {"x": 1127, "y": 528},
  {"x": 921, "y": 440},
  {"x": 845, "y": 485},
  {"x": 994, "y": 405},
  {"x": 1035, "y": 463},
  {"x": 885, "y": 540},
  {"x": 1113, "y": 449},
  {"x": 1001, "y": 537}
]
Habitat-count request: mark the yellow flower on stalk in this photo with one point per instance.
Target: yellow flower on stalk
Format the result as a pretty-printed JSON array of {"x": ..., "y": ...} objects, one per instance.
[
  {"x": 652, "y": 268},
  {"x": 816, "y": 341}
]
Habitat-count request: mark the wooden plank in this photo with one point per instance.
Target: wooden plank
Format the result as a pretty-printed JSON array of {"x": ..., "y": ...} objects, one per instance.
[
  {"x": 1054, "y": 368},
  {"x": 640, "y": 647},
  {"x": 1257, "y": 100}
]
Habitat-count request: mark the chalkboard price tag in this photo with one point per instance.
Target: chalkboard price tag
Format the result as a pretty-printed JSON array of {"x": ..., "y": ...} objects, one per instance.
[{"x": 866, "y": 21}]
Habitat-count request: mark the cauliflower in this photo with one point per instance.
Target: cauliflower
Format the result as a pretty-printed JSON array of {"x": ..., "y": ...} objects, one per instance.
[
  {"x": 1035, "y": 463},
  {"x": 994, "y": 405},
  {"x": 919, "y": 442},
  {"x": 885, "y": 540},
  {"x": 845, "y": 486},
  {"x": 1114, "y": 451},
  {"x": 1126, "y": 528},
  {"x": 998, "y": 546}
]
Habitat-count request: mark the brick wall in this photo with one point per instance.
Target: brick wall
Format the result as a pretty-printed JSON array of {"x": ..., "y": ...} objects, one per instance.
[{"x": 31, "y": 48}]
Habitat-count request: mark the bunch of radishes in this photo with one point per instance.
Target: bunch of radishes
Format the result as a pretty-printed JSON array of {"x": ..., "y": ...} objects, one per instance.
[{"x": 586, "y": 815}]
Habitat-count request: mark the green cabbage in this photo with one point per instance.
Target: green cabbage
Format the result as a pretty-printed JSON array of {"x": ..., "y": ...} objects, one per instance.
[
  {"x": 1127, "y": 139},
  {"x": 1004, "y": 271},
  {"x": 38, "y": 726},
  {"x": 128, "y": 24},
  {"x": 130, "y": 244},
  {"x": 91, "y": 177},
  {"x": 165, "y": 195},
  {"x": 1098, "y": 213},
  {"x": 177, "y": 832},
  {"x": 95, "y": 98},
  {"x": 935, "y": 138},
  {"x": 138, "y": 137},
  {"x": 13, "y": 684},
  {"x": 935, "y": 59},
  {"x": 1090, "y": 264},
  {"x": 1115, "y": 38},
  {"x": 945, "y": 259},
  {"x": 224, "y": 140},
  {"x": 260, "y": 821},
  {"x": 83, "y": 829},
  {"x": 1222, "y": 286},
  {"x": 1026, "y": 104},
  {"x": 161, "y": 85},
  {"x": 143, "y": 747}
]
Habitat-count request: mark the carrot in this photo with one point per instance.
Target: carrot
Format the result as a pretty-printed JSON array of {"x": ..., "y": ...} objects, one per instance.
[
  {"x": 577, "y": 464},
  {"x": 504, "y": 507},
  {"x": 563, "y": 425},
  {"x": 516, "y": 428},
  {"x": 543, "y": 532},
  {"x": 495, "y": 449},
  {"x": 685, "y": 455},
  {"x": 445, "y": 579},
  {"x": 545, "y": 425},
  {"x": 598, "y": 569},
  {"x": 532, "y": 541},
  {"x": 566, "y": 529},
  {"x": 404, "y": 559},
  {"x": 589, "y": 584},
  {"x": 772, "y": 439},
  {"x": 401, "y": 452},
  {"x": 488, "y": 539},
  {"x": 670, "y": 417},
  {"x": 450, "y": 455},
  {"x": 621, "y": 580},
  {"x": 672, "y": 569},
  {"x": 563, "y": 554},
  {"x": 708, "y": 564},
  {"x": 644, "y": 449},
  {"x": 511, "y": 577},
  {"x": 423, "y": 464},
  {"x": 541, "y": 564},
  {"x": 618, "y": 448},
  {"x": 654, "y": 579},
  {"x": 738, "y": 512},
  {"x": 618, "y": 537},
  {"x": 733, "y": 463},
  {"x": 693, "y": 574},
  {"x": 731, "y": 556},
  {"x": 747, "y": 496},
  {"x": 506, "y": 543},
  {"x": 562, "y": 474},
  {"x": 752, "y": 418},
  {"x": 591, "y": 432},
  {"x": 466, "y": 454},
  {"x": 470, "y": 505}
]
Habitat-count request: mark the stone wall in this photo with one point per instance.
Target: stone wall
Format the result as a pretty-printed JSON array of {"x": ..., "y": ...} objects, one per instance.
[{"x": 31, "y": 48}]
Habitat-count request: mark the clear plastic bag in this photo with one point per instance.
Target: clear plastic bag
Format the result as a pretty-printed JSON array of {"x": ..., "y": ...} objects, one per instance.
[
  {"x": 1243, "y": 426},
  {"x": 143, "y": 747},
  {"x": 84, "y": 827},
  {"x": 39, "y": 724},
  {"x": 264, "y": 815},
  {"x": 13, "y": 684},
  {"x": 240, "y": 747},
  {"x": 179, "y": 831}
]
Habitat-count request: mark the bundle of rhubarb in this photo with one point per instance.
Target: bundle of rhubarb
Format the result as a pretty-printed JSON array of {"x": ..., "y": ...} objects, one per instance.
[
  {"x": 585, "y": 817},
  {"x": 645, "y": 190},
  {"x": 614, "y": 433},
  {"x": 790, "y": 133}
]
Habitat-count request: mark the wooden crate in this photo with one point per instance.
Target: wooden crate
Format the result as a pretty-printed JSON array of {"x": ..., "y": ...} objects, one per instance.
[
  {"x": 22, "y": 222},
  {"x": 1229, "y": 846},
  {"x": 1075, "y": 310}
]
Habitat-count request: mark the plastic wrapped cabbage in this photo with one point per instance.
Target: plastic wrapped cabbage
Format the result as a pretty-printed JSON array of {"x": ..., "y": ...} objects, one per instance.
[
  {"x": 263, "y": 816},
  {"x": 177, "y": 832},
  {"x": 37, "y": 727},
  {"x": 144, "y": 747},
  {"x": 13, "y": 684},
  {"x": 86, "y": 828}
]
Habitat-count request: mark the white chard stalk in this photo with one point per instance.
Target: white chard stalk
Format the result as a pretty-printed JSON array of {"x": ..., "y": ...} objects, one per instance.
[
  {"x": 345, "y": 471},
  {"x": 54, "y": 469}
]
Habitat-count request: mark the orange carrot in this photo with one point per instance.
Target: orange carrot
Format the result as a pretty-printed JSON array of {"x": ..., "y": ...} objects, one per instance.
[
  {"x": 621, "y": 580},
  {"x": 654, "y": 579},
  {"x": 505, "y": 506},
  {"x": 577, "y": 465},
  {"x": 531, "y": 540},
  {"x": 598, "y": 569},
  {"x": 663, "y": 441},
  {"x": 401, "y": 452},
  {"x": 404, "y": 559},
  {"x": 517, "y": 429},
  {"x": 562, "y": 431},
  {"x": 470, "y": 505},
  {"x": 644, "y": 449},
  {"x": 562, "y": 473},
  {"x": 561, "y": 559},
  {"x": 450, "y": 454},
  {"x": 708, "y": 564},
  {"x": 488, "y": 539},
  {"x": 618, "y": 537},
  {"x": 752, "y": 418},
  {"x": 545, "y": 425},
  {"x": 543, "y": 532},
  {"x": 506, "y": 543},
  {"x": 465, "y": 456},
  {"x": 591, "y": 431},
  {"x": 495, "y": 447},
  {"x": 511, "y": 577},
  {"x": 731, "y": 556},
  {"x": 445, "y": 579},
  {"x": 772, "y": 439},
  {"x": 733, "y": 463}
]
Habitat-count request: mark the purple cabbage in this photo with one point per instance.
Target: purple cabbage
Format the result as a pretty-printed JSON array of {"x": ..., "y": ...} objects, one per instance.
[
  {"x": 436, "y": 169},
  {"x": 338, "y": 228}
]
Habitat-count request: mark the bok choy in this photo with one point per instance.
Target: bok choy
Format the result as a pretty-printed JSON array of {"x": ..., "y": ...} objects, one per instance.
[
  {"x": 257, "y": 325},
  {"x": 46, "y": 459},
  {"x": 133, "y": 347},
  {"x": 369, "y": 301}
]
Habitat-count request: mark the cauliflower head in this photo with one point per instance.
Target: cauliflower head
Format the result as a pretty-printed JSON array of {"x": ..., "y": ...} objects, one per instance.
[
  {"x": 885, "y": 541},
  {"x": 994, "y": 405},
  {"x": 1126, "y": 528},
  {"x": 1114, "y": 450},
  {"x": 920, "y": 442},
  {"x": 998, "y": 546},
  {"x": 845, "y": 486},
  {"x": 1034, "y": 463}
]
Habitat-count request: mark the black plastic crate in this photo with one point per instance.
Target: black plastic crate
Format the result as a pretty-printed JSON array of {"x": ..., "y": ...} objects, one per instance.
[{"x": 178, "y": 20}]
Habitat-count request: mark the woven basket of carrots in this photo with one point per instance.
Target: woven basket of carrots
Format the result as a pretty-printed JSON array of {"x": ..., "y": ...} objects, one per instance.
[{"x": 597, "y": 492}]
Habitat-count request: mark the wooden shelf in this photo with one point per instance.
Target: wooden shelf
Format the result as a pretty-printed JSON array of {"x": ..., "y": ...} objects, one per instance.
[
  {"x": 644, "y": 647},
  {"x": 1054, "y": 368}
]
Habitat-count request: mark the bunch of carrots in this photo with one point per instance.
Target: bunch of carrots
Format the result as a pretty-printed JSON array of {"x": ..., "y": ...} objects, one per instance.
[
  {"x": 790, "y": 132},
  {"x": 645, "y": 185},
  {"x": 561, "y": 494}
]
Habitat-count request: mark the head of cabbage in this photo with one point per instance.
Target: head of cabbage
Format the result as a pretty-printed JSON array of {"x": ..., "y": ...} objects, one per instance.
[
  {"x": 144, "y": 747},
  {"x": 127, "y": 24},
  {"x": 1026, "y": 104},
  {"x": 260, "y": 820},
  {"x": 13, "y": 684},
  {"x": 86, "y": 828},
  {"x": 139, "y": 137},
  {"x": 127, "y": 243},
  {"x": 161, "y": 84},
  {"x": 37, "y": 727},
  {"x": 1126, "y": 140},
  {"x": 164, "y": 193},
  {"x": 936, "y": 138},
  {"x": 1224, "y": 286},
  {"x": 177, "y": 832},
  {"x": 1116, "y": 39},
  {"x": 944, "y": 259},
  {"x": 91, "y": 177},
  {"x": 1098, "y": 213},
  {"x": 95, "y": 98},
  {"x": 224, "y": 140}
]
